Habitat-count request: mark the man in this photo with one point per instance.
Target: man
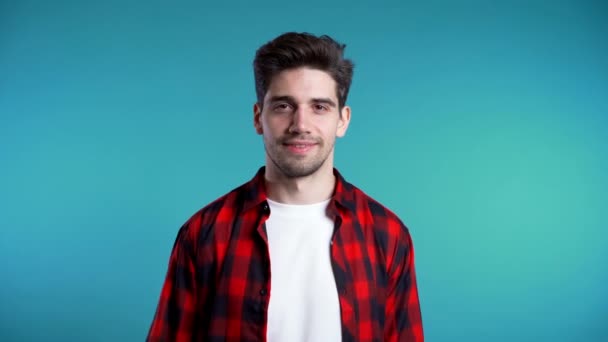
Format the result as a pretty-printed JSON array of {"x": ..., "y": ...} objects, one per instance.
[{"x": 297, "y": 253}]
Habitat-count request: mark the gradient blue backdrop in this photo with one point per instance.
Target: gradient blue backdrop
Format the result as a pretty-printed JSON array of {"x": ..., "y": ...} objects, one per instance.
[{"x": 483, "y": 124}]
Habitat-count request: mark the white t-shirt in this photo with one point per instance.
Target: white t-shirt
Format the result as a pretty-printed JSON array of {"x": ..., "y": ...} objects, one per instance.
[{"x": 304, "y": 304}]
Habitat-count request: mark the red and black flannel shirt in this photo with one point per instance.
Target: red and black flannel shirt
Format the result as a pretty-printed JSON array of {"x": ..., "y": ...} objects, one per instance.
[{"x": 217, "y": 286}]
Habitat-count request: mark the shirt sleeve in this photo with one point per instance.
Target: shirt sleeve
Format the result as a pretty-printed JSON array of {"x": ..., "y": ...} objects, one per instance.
[
  {"x": 174, "y": 317},
  {"x": 403, "y": 318}
]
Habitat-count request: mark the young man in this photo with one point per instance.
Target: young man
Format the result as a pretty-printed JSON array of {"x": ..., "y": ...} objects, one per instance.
[{"x": 297, "y": 253}]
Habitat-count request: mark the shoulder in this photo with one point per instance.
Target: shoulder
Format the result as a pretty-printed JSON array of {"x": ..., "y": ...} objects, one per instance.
[
  {"x": 381, "y": 217},
  {"x": 222, "y": 209},
  {"x": 391, "y": 234},
  {"x": 369, "y": 211}
]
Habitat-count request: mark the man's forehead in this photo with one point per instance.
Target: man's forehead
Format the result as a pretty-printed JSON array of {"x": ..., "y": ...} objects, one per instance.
[{"x": 302, "y": 83}]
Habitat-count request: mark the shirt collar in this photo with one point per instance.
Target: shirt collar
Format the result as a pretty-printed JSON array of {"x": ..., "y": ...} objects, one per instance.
[{"x": 255, "y": 195}]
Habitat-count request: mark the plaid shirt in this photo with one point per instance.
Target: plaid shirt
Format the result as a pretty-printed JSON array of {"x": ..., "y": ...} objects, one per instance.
[{"x": 217, "y": 286}]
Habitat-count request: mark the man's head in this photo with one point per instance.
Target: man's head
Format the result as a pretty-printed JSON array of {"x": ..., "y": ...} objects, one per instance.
[{"x": 302, "y": 83}]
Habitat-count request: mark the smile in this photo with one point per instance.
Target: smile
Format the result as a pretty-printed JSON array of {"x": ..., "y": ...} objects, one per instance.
[{"x": 300, "y": 148}]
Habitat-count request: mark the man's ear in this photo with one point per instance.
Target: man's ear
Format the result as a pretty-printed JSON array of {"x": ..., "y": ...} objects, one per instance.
[
  {"x": 343, "y": 122},
  {"x": 257, "y": 118}
]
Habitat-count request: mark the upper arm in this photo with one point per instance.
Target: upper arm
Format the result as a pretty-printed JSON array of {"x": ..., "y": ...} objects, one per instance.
[
  {"x": 403, "y": 321},
  {"x": 174, "y": 316}
]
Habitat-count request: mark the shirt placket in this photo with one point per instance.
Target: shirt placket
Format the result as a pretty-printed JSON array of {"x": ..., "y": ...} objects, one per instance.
[
  {"x": 347, "y": 314},
  {"x": 264, "y": 291}
]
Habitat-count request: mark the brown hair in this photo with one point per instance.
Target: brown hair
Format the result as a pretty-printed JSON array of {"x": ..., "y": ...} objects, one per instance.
[{"x": 292, "y": 50}]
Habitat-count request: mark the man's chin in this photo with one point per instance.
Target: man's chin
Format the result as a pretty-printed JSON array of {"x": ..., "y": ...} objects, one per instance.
[{"x": 292, "y": 171}]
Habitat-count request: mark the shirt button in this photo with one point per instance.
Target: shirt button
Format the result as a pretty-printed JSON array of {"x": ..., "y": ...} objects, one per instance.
[{"x": 263, "y": 292}]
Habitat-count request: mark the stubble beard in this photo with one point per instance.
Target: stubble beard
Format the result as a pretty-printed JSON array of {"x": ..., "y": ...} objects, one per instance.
[{"x": 294, "y": 166}]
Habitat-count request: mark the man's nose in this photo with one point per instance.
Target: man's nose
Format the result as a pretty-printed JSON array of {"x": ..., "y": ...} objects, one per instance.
[{"x": 299, "y": 121}]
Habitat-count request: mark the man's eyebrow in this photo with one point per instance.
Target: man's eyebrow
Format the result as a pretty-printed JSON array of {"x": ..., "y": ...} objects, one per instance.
[
  {"x": 292, "y": 100},
  {"x": 284, "y": 98},
  {"x": 325, "y": 100}
]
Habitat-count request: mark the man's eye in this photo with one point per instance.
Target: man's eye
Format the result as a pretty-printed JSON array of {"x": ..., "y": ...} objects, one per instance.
[
  {"x": 282, "y": 107},
  {"x": 320, "y": 108}
]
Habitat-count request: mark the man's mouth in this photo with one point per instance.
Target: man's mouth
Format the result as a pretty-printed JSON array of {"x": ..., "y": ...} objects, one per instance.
[{"x": 300, "y": 147}]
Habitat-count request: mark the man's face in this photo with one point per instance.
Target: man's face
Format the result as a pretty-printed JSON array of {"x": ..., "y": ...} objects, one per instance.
[{"x": 300, "y": 121}]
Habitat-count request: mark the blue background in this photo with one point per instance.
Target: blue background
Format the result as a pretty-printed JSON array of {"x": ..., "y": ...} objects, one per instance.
[{"x": 482, "y": 124}]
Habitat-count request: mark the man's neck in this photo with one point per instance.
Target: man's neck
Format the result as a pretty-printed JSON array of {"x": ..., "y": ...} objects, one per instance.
[{"x": 314, "y": 188}]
